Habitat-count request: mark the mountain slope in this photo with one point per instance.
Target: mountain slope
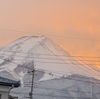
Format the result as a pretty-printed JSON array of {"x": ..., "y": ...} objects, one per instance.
[
  {"x": 45, "y": 54},
  {"x": 58, "y": 75}
]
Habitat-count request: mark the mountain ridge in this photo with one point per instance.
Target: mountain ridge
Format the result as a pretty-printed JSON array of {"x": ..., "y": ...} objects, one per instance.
[{"x": 44, "y": 52}]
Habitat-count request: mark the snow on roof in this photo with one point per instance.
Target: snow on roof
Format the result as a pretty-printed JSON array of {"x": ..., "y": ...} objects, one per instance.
[{"x": 9, "y": 82}]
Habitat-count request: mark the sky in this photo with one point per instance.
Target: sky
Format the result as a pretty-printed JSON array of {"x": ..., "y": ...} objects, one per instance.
[{"x": 65, "y": 20}]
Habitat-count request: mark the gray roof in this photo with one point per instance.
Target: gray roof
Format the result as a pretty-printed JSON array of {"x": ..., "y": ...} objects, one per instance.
[{"x": 8, "y": 82}]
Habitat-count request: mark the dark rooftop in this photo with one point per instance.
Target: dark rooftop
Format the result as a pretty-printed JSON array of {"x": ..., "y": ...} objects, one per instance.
[{"x": 8, "y": 82}]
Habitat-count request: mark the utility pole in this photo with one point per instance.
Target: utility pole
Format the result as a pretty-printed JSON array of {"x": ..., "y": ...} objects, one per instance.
[
  {"x": 33, "y": 72},
  {"x": 91, "y": 90}
]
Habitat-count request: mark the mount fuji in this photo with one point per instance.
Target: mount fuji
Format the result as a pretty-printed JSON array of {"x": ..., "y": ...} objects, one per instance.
[{"x": 52, "y": 65}]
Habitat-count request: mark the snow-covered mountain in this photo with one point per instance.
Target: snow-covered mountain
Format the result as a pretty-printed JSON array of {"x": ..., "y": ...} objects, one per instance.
[
  {"x": 45, "y": 54},
  {"x": 50, "y": 61}
]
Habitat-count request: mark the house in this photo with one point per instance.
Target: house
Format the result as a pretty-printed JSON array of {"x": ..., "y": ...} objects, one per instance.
[{"x": 5, "y": 86}]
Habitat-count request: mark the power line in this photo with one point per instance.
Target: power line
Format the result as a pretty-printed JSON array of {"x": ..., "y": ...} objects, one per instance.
[
  {"x": 74, "y": 62},
  {"x": 67, "y": 61},
  {"x": 59, "y": 63},
  {"x": 58, "y": 36},
  {"x": 60, "y": 90},
  {"x": 50, "y": 73},
  {"x": 69, "y": 79},
  {"x": 65, "y": 58},
  {"x": 60, "y": 58},
  {"x": 55, "y": 63},
  {"x": 48, "y": 54}
]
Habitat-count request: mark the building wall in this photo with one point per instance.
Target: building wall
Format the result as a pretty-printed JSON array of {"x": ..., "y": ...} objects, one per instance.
[{"x": 4, "y": 92}]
